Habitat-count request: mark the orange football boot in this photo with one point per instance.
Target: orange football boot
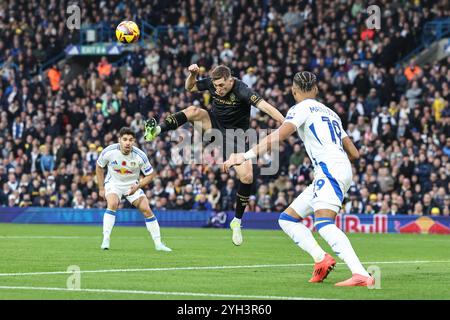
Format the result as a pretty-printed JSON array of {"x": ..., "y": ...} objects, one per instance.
[
  {"x": 323, "y": 268},
  {"x": 357, "y": 280}
]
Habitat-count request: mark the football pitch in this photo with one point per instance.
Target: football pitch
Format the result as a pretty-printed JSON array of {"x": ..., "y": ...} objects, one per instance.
[{"x": 204, "y": 264}]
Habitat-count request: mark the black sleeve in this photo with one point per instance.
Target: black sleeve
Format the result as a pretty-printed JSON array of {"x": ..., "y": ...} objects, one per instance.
[
  {"x": 203, "y": 84},
  {"x": 247, "y": 95}
]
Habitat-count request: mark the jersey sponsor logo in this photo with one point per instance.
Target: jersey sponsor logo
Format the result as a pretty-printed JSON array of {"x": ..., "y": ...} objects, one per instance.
[
  {"x": 227, "y": 102},
  {"x": 123, "y": 171}
]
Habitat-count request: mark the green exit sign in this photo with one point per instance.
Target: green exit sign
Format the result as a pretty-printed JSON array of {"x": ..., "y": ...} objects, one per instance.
[{"x": 93, "y": 49}]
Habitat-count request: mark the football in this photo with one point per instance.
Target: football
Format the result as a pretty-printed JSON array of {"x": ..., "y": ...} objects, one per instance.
[{"x": 127, "y": 32}]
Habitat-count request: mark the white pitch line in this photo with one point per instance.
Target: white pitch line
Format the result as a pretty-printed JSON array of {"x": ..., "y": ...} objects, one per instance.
[
  {"x": 41, "y": 237},
  {"x": 164, "y": 293},
  {"x": 209, "y": 268}
]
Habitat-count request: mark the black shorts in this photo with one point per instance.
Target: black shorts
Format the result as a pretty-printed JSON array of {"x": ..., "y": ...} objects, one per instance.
[{"x": 234, "y": 140}]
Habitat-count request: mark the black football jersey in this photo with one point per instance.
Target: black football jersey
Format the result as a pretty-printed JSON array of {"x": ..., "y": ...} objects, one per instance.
[{"x": 233, "y": 109}]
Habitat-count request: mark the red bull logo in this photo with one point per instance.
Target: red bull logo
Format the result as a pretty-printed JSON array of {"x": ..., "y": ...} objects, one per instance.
[
  {"x": 123, "y": 171},
  {"x": 423, "y": 225},
  {"x": 352, "y": 223},
  {"x": 377, "y": 223}
]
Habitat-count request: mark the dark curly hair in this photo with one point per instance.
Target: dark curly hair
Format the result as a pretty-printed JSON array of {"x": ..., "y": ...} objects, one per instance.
[{"x": 305, "y": 80}]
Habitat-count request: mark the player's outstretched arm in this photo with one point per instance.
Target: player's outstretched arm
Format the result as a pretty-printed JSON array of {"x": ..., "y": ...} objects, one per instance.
[
  {"x": 281, "y": 134},
  {"x": 100, "y": 174},
  {"x": 350, "y": 149},
  {"x": 190, "y": 83},
  {"x": 266, "y": 107}
]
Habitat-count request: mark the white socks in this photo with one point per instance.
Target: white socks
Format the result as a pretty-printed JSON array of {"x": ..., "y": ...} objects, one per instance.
[
  {"x": 340, "y": 244},
  {"x": 153, "y": 227},
  {"x": 301, "y": 235},
  {"x": 109, "y": 218}
]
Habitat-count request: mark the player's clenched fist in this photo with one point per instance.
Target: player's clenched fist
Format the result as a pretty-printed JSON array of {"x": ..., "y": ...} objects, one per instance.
[{"x": 193, "y": 68}]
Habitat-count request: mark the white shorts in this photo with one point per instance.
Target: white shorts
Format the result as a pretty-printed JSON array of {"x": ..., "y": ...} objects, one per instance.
[
  {"x": 331, "y": 183},
  {"x": 122, "y": 190}
]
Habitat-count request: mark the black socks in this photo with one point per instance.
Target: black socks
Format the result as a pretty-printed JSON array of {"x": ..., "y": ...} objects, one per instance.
[
  {"x": 242, "y": 196},
  {"x": 173, "y": 121}
]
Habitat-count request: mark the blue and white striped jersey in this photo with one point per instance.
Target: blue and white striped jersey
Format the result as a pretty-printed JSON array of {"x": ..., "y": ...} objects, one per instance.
[{"x": 320, "y": 129}]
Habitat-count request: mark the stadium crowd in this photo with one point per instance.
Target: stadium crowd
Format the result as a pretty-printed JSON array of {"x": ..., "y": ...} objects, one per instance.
[{"x": 52, "y": 129}]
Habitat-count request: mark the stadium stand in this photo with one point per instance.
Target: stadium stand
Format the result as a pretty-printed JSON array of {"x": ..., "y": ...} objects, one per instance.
[{"x": 53, "y": 126}]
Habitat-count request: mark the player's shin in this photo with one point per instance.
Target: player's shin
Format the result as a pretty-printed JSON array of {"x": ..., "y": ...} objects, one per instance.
[
  {"x": 109, "y": 218},
  {"x": 340, "y": 244},
  {"x": 301, "y": 235},
  {"x": 242, "y": 197},
  {"x": 153, "y": 227}
]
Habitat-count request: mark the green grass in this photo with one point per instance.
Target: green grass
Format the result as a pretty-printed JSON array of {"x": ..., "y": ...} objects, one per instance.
[{"x": 31, "y": 248}]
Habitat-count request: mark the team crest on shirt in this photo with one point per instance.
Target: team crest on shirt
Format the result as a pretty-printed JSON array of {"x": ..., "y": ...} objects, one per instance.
[{"x": 132, "y": 164}]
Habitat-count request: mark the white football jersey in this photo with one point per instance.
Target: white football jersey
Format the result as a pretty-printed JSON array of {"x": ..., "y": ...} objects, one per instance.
[
  {"x": 124, "y": 170},
  {"x": 320, "y": 129}
]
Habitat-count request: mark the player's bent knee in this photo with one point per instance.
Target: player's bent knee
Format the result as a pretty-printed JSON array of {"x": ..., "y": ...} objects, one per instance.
[
  {"x": 326, "y": 213},
  {"x": 147, "y": 214},
  {"x": 322, "y": 222},
  {"x": 192, "y": 113},
  {"x": 113, "y": 205},
  {"x": 286, "y": 217},
  {"x": 247, "y": 178}
]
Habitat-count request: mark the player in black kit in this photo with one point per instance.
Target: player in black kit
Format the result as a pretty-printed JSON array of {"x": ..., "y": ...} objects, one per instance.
[{"x": 231, "y": 103}]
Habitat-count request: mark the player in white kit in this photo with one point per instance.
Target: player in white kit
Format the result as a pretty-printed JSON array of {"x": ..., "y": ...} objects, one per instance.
[
  {"x": 330, "y": 150},
  {"x": 125, "y": 162}
]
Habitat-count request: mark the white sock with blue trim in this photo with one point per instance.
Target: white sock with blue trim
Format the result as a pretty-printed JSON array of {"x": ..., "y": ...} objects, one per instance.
[
  {"x": 301, "y": 235},
  {"x": 153, "y": 227},
  {"x": 340, "y": 244},
  {"x": 109, "y": 218}
]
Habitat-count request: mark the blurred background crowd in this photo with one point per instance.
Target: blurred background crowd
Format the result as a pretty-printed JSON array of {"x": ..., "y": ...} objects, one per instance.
[{"x": 53, "y": 128}]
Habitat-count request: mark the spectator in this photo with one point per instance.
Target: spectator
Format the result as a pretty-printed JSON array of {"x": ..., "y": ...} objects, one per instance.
[
  {"x": 78, "y": 201},
  {"x": 412, "y": 71},
  {"x": 297, "y": 156},
  {"x": 152, "y": 62},
  {"x": 54, "y": 76},
  {"x": 202, "y": 204},
  {"x": 413, "y": 94},
  {"x": 252, "y": 206},
  {"x": 250, "y": 77},
  {"x": 104, "y": 68},
  {"x": 418, "y": 209},
  {"x": 228, "y": 194},
  {"x": 382, "y": 119},
  {"x": 46, "y": 160},
  {"x": 214, "y": 197}
]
